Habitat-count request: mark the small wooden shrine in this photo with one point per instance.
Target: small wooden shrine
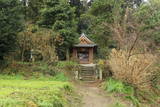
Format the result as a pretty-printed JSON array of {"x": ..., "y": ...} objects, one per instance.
[{"x": 84, "y": 51}]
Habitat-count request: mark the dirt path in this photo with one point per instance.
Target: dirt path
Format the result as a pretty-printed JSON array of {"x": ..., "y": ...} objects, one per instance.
[{"x": 93, "y": 96}]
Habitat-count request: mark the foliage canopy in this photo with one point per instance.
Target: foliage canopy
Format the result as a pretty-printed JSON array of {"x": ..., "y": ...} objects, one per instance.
[
  {"x": 60, "y": 16},
  {"x": 10, "y": 24}
]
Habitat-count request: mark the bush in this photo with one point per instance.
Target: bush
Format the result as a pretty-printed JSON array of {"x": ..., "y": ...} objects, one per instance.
[
  {"x": 60, "y": 77},
  {"x": 135, "y": 70},
  {"x": 30, "y": 69},
  {"x": 115, "y": 86},
  {"x": 36, "y": 70},
  {"x": 103, "y": 66},
  {"x": 69, "y": 65},
  {"x": 66, "y": 63},
  {"x": 118, "y": 104}
]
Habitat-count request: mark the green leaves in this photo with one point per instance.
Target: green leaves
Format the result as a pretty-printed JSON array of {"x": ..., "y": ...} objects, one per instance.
[
  {"x": 118, "y": 87},
  {"x": 115, "y": 86},
  {"x": 60, "y": 16},
  {"x": 149, "y": 15},
  {"x": 11, "y": 18}
]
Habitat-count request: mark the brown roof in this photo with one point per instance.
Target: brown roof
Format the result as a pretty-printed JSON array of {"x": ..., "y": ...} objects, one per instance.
[
  {"x": 85, "y": 45},
  {"x": 85, "y": 42}
]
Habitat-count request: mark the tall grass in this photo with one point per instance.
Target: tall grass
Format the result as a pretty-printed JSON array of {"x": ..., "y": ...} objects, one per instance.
[
  {"x": 126, "y": 91},
  {"x": 118, "y": 104},
  {"x": 117, "y": 86}
]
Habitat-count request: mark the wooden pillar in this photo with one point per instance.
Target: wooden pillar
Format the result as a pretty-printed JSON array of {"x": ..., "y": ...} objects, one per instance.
[
  {"x": 74, "y": 54},
  {"x": 90, "y": 55}
]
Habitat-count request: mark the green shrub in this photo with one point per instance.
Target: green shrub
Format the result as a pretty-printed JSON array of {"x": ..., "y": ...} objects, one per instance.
[
  {"x": 134, "y": 100},
  {"x": 117, "y": 104},
  {"x": 115, "y": 86},
  {"x": 30, "y": 69},
  {"x": 60, "y": 77},
  {"x": 67, "y": 64}
]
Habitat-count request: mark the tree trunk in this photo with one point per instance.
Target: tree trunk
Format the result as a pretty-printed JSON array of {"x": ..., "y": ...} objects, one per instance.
[
  {"x": 22, "y": 55},
  {"x": 67, "y": 55}
]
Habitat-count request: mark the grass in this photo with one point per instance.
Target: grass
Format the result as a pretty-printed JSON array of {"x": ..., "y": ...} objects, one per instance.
[
  {"x": 60, "y": 77},
  {"x": 25, "y": 84},
  {"x": 115, "y": 86},
  {"x": 42, "y": 92},
  {"x": 39, "y": 76},
  {"x": 118, "y": 104},
  {"x": 138, "y": 98}
]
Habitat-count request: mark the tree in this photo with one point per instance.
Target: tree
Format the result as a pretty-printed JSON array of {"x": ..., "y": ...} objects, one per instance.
[
  {"x": 101, "y": 11},
  {"x": 36, "y": 41},
  {"x": 33, "y": 9},
  {"x": 10, "y": 24},
  {"x": 60, "y": 16},
  {"x": 79, "y": 7},
  {"x": 133, "y": 3},
  {"x": 149, "y": 14}
]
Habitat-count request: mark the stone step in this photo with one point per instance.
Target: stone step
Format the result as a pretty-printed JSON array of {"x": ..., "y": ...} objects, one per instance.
[
  {"x": 87, "y": 67},
  {"x": 90, "y": 77},
  {"x": 87, "y": 73},
  {"x": 87, "y": 70},
  {"x": 83, "y": 75},
  {"x": 90, "y": 82}
]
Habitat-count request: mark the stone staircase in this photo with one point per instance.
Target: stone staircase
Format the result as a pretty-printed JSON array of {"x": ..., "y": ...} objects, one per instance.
[{"x": 88, "y": 72}]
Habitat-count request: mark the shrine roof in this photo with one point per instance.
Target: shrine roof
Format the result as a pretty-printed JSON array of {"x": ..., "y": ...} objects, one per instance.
[
  {"x": 85, "y": 42},
  {"x": 85, "y": 45}
]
